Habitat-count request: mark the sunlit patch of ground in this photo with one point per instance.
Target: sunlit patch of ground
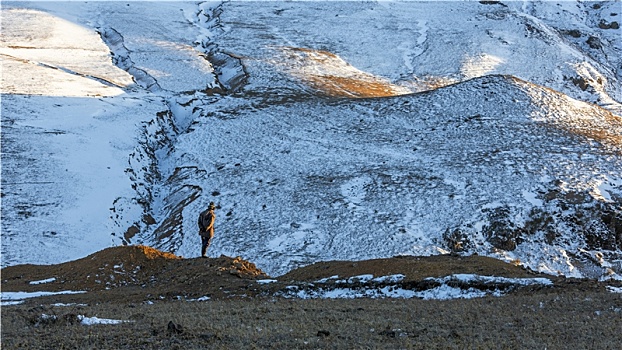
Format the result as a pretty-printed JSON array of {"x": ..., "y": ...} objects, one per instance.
[
  {"x": 581, "y": 119},
  {"x": 42, "y": 54},
  {"x": 152, "y": 253},
  {"x": 352, "y": 86},
  {"x": 427, "y": 83},
  {"x": 331, "y": 75},
  {"x": 479, "y": 65}
]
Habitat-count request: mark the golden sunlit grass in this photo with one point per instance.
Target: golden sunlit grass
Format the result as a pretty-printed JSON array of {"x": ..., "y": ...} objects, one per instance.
[
  {"x": 152, "y": 253},
  {"x": 330, "y": 75},
  {"x": 313, "y": 54},
  {"x": 352, "y": 87},
  {"x": 583, "y": 119},
  {"x": 601, "y": 135}
]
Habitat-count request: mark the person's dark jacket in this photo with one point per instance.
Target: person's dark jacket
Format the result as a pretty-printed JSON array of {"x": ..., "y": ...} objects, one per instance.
[{"x": 206, "y": 223}]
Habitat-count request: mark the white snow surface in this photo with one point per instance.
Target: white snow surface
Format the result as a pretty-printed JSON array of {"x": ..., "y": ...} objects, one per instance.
[
  {"x": 47, "y": 280},
  {"x": 122, "y": 120},
  {"x": 265, "y": 281},
  {"x": 12, "y": 298},
  {"x": 86, "y": 321},
  {"x": 471, "y": 278},
  {"x": 89, "y": 321}
]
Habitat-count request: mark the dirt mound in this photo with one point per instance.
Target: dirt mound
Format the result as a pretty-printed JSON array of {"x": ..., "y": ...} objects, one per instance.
[
  {"x": 134, "y": 274},
  {"x": 93, "y": 272},
  {"x": 146, "y": 269},
  {"x": 412, "y": 267}
]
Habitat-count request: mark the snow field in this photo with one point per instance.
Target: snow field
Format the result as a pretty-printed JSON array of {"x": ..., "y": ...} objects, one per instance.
[{"x": 105, "y": 134}]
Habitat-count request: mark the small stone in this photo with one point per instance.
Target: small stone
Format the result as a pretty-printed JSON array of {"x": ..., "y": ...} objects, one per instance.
[{"x": 174, "y": 328}]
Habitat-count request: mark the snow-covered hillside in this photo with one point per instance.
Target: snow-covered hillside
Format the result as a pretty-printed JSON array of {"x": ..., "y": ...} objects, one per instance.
[{"x": 322, "y": 130}]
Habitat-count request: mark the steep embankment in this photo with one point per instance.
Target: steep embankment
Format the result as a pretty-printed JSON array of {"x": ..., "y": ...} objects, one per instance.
[{"x": 164, "y": 186}]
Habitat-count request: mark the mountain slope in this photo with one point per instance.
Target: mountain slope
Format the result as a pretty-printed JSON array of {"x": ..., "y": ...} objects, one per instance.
[
  {"x": 272, "y": 117},
  {"x": 484, "y": 164}
]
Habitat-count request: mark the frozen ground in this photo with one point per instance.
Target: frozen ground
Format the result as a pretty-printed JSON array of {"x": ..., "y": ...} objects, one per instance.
[
  {"x": 450, "y": 287},
  {"x": 122, "y": 120}
]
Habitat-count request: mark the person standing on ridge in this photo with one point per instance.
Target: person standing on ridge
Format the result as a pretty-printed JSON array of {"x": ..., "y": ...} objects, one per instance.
[{"x": 206, "y": 227}]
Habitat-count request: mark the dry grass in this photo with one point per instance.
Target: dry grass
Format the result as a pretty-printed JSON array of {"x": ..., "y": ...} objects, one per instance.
[
  {"x": 152, "y": 253},
  {"x": 243, "y": 314},
  {"x": 355, "y": 87},
  {"x": 587, "y": 121},
  {"x": 328, "y": 74},
  {"x": 414, "y": 268},
  {"x": 584, "y": 319}
]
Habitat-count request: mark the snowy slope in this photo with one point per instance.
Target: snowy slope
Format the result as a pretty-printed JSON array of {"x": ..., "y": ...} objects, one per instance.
[
  {"x": 251, "y": 106},
  {"x": 359, "y": 179},
  {"x": 71, "y": 118}
]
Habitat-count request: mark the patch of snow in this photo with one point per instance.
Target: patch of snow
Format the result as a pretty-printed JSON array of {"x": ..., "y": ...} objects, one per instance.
[
  {"x": 611, "y": 276},
  {"x": 357, "y": 279},
  {"x": 20, "y": 296},
  {"x": 613, "y": 289},
  {"x": 480, "y": 64},
  {"x": 70, "y": 60},
  {"x": 349, "y": 293},
  {"x": 354, "y": 190},
  {"x": 603, "y": 188},
  {"x": 48, "y": 280},
  {"x": 326, "y": 279},
  {"x": 389, "y": 279},
  {"x": 442, "y": 292},
  {"x": 90, "y": 321},
  {"x": 532, "y": 198},
  {"x": 70, "y": 304},
  {"x": 445, "y": 292},
  {"x": 48, "y": 317},
  {"x": 266, "y": 281},
  {"x": 471, "y": 278}
]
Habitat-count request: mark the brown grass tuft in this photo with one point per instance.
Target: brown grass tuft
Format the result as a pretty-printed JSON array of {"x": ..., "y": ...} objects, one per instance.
[
  {"x": 330, "y": 75},
  {"x": 152, "y": 253},
  {"x": 357, "y": 87}
]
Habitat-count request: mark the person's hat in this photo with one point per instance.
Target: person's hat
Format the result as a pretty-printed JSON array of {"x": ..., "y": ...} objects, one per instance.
[{"x": 211, "y": 206}]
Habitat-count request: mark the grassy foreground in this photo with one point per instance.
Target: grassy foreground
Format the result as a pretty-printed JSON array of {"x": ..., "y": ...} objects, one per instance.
[
  {"x": 577, "y": 319},
  {"x": 157, "y": 294}
]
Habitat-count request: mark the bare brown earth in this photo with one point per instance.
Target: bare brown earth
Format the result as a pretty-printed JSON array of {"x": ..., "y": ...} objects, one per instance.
[{"x": 156, "y": 293}]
